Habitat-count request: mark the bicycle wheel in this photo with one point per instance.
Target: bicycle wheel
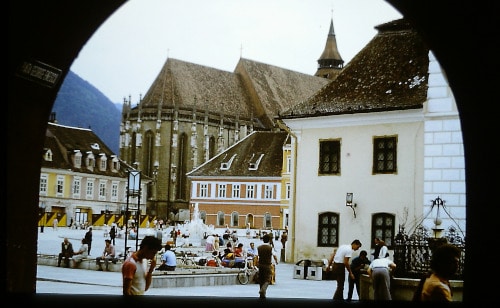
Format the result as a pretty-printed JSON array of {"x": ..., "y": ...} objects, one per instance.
[
  {"x": 189, "y": 262},
  {"x": 243, "y": 277},
  {"x": 180, "y": 261}
]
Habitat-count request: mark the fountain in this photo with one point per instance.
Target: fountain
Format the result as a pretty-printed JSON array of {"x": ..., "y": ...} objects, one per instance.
[{"x": 196, "y": 228}]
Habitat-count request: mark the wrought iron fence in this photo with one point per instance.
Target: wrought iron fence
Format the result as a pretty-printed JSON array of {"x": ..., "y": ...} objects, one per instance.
[{"x": 413, "y": 253}]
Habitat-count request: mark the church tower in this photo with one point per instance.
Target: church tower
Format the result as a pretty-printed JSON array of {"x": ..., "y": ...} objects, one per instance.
[{"x": 330, "y": 64}]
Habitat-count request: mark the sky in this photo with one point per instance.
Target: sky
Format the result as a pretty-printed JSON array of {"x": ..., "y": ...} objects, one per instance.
[{"x": 127, "y": 52}]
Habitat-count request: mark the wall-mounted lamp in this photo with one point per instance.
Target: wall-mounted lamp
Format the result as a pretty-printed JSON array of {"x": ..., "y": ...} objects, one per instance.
[{"x": 348, "y": 202}]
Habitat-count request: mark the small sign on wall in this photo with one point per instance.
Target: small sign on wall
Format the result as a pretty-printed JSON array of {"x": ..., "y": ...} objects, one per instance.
[{"x": 40, "y": 73}]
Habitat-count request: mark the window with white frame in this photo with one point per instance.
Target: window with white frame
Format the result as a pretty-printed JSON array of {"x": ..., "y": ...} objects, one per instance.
[
  {"x": 268, "y": 191},
  {"x": 44, "y": 180},
  {"x": 60, "y": 186},
  {"x": 114, "y": 191},
  {"x": 102, "y": 190},
  {"x": 77, "y": 159},
  {"x": 268, "y": 222},
  {"x": 89, "y": 193},
  {"x": 234, "y": 219},
  {"x": 102, "y": 162},
  {"x": 288, "y": 190},
  {"x": 236, "y": 190},
  {"x": 203, "y": 190},
  {"x": 250, "y": 191},
  {"x": 222, "y": 191},
  {"x": 77, "y": 186},
  {"x": 288, "y": 163}
]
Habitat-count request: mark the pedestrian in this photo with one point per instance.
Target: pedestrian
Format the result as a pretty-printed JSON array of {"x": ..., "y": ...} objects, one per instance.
[
  {"x": 265, "y": 252},
  {"x": 88, "y": 239},
  {"x": 112, "y": 233},
  {"x": 376, "y": 251},
  {"x": 384, "y": 250},
  {"x": 380, "y": 271},
  {"x": 55, "y": 224},
  {"x": 338, "y": 263},
  {"x": 357, "y": 265},
  {"x": 66, "y": 252},
  {"x": 435, "y": 287},
  {"x": 136, "y": 275}
]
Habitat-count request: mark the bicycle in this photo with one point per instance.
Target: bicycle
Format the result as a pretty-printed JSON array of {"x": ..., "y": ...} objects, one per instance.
[
  {"x": 186, "y": 258},
  {"x": 245, "y": 273}
]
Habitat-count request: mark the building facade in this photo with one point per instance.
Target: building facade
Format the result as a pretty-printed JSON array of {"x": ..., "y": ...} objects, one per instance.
[{"x": 83, "y": 183}]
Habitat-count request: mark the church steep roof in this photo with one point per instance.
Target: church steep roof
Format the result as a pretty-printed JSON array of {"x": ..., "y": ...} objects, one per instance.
[
  {"x": 253, "y": 90},
  {"x": 276, "y": 89},
  {"x": 184, "y": 84}
]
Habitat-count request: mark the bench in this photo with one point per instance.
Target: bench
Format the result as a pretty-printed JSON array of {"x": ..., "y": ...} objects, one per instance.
[{"x": 85, "y": 263}]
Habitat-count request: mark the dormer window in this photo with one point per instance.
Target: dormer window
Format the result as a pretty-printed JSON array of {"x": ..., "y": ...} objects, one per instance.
[
  {"x": 47, "y": 156},
  {"x": 77, "y": 159},
  {"x": 115, "y": 163},
  {"x": 227, "y": 165},
  {"x": 90, "y": 161},
  {"x": 102, "y": 161},
  {"x": 254, "y": 164},
  {"x": 95, "y": 146}
]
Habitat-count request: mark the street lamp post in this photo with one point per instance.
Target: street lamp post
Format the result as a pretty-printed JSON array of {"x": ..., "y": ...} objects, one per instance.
[{"x": 133, "y": 189}]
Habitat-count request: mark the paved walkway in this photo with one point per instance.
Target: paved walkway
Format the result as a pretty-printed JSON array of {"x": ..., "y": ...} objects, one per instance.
[{"x": 59, "y": 280}]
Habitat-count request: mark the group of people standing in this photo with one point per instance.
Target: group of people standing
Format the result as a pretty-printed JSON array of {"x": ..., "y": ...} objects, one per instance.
[{"x": 434, "y": 286}]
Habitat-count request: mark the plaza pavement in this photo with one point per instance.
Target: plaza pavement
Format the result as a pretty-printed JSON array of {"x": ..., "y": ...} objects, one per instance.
[{"x": 58, "y": 281}]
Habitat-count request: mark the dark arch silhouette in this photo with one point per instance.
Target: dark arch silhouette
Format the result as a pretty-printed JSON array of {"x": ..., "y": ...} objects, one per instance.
[{"x": 46, "y": 36}]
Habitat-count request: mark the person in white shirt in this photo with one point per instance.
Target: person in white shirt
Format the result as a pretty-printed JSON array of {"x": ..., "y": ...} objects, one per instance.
[
  {"x": 337, "y": 265},
  {"x": 380, "y": 272}
]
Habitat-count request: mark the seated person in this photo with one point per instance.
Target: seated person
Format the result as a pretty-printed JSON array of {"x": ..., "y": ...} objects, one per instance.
[
  {"x": 168, "y": 260},
  {"x": 132, "y": 235},
  {"x": 238, "y": 251},
  {"x": 82, "y": 253},
  {"x": 108, "y": 255},
  {"x": 252, "y": 255},
  {"x": 66, "y": 252}
]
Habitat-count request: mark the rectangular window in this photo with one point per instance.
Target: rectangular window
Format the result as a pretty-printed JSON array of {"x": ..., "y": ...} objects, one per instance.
[
  {"x": 383, "y": 227},
  {"x": 250, "y": 191},
  {"x": 76, "y": 187},
  {"x": 329, "y": 157},
  {"x": 89, "y": 194},
  {"x": 102, "y": 190},
  {"x": 236, "y": 190},
  {"x": 43, "y": 184},
  {"x": 288, "y": 164},
  {"x": 60, "y": 185},
  {"x": 384, "y": 155},
  {"x": 222, "y": 191},
  {"x": 268, "y": 192},
  {"x": 288, "y": 192},
  {"x": 328, "y": 230},
  {"x": 114, "y": 191},
  {"x": 203, "y": 190}
]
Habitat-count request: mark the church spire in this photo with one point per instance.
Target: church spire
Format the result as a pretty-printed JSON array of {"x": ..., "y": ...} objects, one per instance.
[{"x": 330, "y": 64}]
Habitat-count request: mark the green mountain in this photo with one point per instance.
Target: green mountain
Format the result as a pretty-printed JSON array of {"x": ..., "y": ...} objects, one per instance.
[{"x": 80, "y": 104}]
